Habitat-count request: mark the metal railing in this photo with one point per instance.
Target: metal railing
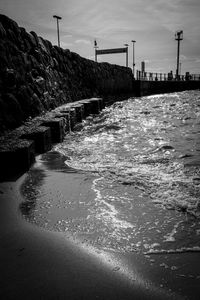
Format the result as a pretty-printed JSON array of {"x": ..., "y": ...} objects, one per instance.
[
  {"x": 195, "y": 77},
  {"x": 149, "y": 76}
]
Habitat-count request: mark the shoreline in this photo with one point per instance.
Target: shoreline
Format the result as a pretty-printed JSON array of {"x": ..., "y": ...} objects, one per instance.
[{"x": 36, "y": 263}]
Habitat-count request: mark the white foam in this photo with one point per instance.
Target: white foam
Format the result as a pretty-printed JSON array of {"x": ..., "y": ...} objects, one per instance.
[
  {"x": 173, "y": 251},
  {"x": 170, "y": 237},
  {"x": 108, "y": 213}
]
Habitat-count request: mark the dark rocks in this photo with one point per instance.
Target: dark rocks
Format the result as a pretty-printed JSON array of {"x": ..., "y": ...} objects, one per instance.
[
  {"x": 2, "y": 31},
  {"x": 35, "y": 38},
  {"x": 12, "y": 107},
  {"x": 32, "y": 69},
  {"x": 9, "y": 78},
  {"x": 9, "y": 24}
]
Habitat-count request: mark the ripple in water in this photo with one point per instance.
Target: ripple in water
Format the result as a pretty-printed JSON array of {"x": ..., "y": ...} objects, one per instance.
[{"x": 143, "y": 154}]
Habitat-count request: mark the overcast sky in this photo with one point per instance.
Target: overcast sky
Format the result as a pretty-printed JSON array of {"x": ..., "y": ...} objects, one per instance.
[{"x": 152, "y": 23}]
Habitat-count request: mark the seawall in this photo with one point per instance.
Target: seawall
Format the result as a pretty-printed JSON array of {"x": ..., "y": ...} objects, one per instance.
[
  {"x": 144, "y": 88},
  {"x": 36, "y": 76}
]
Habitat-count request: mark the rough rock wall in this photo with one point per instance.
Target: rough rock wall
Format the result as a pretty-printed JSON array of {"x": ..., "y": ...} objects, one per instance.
[{"x": 36, "y": 77}]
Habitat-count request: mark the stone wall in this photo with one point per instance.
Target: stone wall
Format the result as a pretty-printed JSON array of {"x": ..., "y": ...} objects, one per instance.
[{"x": 36, "y": 77}]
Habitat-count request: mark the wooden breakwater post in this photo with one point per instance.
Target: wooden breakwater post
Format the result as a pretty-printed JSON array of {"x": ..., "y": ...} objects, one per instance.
[
  {"x": 16, "y": 157},
  {"x": 71, "y": 112},
  {"x": 87, "y": 107},
  {"x": 66, "y": 116},
  {"x": 95, "y": 106},
  {"x": 19, "y": 148},
  {"x": 57, "y": 127},
  {"x": 41, "y": 135},
  {"x": 79, "y": 109}
]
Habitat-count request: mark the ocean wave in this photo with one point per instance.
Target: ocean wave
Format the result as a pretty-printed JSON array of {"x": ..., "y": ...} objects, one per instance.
[
  {"x": 173, "y": 251},
  {"x": 146, "y": 146}
]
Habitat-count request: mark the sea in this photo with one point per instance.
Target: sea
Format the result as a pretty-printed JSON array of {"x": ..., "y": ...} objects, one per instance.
[{"x": 128, "y": 180}]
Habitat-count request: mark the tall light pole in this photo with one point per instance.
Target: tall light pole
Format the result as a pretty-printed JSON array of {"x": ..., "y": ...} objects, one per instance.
[
  {"x": 95, "y": 47},
  {"x": 126, "y": 54},
  {"x": 133, "y": 58},
  {"x": 178, "y": 37},
  {"x": 58, "y": 18}
]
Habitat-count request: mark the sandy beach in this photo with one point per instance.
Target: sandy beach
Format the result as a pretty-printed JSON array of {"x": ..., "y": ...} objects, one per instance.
[{"x": 39, "y": 264}]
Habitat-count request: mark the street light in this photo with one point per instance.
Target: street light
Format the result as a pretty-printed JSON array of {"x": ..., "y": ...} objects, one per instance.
[
  {"x": 95, "y": 47},
  {"x": 133, "y": 58},
  {"x": 126, "y": 54},
  {"x": 58, "y": 18},
  {"x": 178, "y": 37}
]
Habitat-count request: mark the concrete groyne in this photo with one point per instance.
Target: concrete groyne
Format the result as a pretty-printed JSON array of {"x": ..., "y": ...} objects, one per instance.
[{"x": 19, "y": 147}]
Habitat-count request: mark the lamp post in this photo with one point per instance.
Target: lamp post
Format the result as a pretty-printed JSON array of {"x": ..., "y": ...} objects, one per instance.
[
  {"x": 126, "y": 54},
  {"x": 58, "y": 18},
  {"x": 133, "y": 58},
  {"x": 178, "y": 37},
  {"x": 95, "y": 47}
]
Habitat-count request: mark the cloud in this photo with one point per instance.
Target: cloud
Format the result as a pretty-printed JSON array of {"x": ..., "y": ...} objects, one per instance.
[
  {"x": 67, "y": 35},
  {"x": 183, "y": 57},
  {"x": 66, "y": 45},
  {"x": 82, "y": 41},
  {"x": 176, "y": 14},
  {"x": 152, "y": 23}
]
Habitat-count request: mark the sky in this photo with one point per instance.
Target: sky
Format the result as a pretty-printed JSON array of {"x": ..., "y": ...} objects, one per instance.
[{"x": 151, "y": 23}]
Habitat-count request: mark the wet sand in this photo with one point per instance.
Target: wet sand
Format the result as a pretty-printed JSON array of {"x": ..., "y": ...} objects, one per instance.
[
  {"x": 40, "y": 264},
  {"x": 37, "y": 264}
]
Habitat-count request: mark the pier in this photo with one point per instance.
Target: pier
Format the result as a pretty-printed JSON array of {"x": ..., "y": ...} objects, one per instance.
[{"x": 144, "y": 87}]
